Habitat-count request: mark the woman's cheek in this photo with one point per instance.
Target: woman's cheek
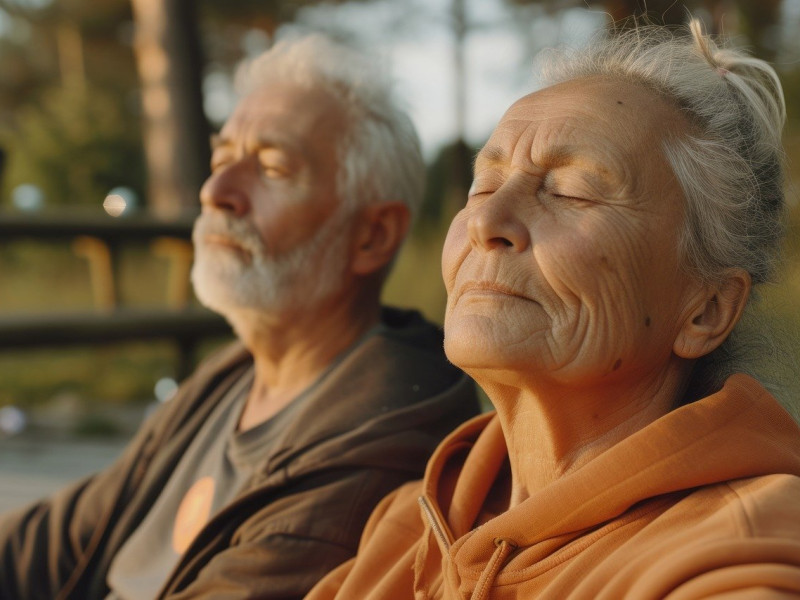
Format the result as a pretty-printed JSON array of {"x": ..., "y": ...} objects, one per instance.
[{"x": 456, "y": 247}]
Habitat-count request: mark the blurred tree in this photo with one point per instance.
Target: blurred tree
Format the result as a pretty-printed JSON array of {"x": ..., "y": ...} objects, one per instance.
[
  {"x": 76, "y": 144},
  {"x": 460, "y": 154},
  {"x": 176, "y": 43},
  {"x": 755, "y": 20},
  {"x": 452, "y": 160},
  {"x": 67, "y": 135}
]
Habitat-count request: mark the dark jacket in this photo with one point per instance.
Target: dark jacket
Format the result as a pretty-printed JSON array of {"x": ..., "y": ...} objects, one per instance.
[{"x": 371, "y": 425}]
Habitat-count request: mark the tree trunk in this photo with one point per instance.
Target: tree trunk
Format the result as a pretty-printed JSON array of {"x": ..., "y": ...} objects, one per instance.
[
  {"x": 662, "y": 12},
  {"x": 461, "y": 164},
  {"x": 168, "y": 60}
]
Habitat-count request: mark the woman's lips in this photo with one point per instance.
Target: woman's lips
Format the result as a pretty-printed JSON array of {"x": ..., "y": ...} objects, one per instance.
[{"x": 490, "y": 287}]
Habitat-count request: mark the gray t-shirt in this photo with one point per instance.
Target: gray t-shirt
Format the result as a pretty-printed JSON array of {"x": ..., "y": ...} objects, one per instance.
[{"x": 215, "y": 467}]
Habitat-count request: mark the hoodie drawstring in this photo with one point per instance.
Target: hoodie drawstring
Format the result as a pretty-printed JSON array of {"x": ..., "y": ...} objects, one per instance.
[
  {"x": 504, "y": 548},
  {"x": 436, "y": 525}
]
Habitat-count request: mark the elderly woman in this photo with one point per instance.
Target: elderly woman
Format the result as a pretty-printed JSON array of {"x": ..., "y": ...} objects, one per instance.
[{"x": 617, "y": 222}]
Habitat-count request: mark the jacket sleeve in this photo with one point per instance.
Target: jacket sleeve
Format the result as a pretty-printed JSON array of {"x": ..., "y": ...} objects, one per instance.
[
  {"x": 386, "y": 553},
  {"x": 280, "y": 566},
  {"x": 284, "y": 549},
  {"x": 42, "y": 545}
]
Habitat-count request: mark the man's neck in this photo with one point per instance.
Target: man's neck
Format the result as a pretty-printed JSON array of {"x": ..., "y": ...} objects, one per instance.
[{"x": 291, "y": 350}]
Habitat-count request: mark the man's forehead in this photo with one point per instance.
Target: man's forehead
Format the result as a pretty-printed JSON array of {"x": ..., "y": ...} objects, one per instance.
[
  {"x": 256, "y": 140},
  {"x": 285, "y": 111},
  {"x": 291, "y": 119}
]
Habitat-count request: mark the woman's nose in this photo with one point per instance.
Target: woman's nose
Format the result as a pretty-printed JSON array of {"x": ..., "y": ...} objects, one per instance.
[
  {"x": 225, "y": 189},
  {"x": 494, "y": 224}
]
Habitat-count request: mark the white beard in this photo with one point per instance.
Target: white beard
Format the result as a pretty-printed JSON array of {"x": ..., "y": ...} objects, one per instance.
[{"x": 300, "y": 278}]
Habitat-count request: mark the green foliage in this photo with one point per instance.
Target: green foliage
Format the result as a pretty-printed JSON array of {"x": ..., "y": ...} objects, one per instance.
[
  {"x": 96, "y": 425},
  {"x": 449, "y": 173},
  {"x": 75, "y": 145},
  {"x": 59, "y": 274},
  {"x": 117, "y": 374},
  {"x": 73, "y": 139},
  {"x": 416, "y": 281}
]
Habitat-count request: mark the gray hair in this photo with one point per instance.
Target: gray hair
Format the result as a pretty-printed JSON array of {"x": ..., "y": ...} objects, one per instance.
[
  {"x": 730, "y": 164},
  {"x": 380, "y": 156}
]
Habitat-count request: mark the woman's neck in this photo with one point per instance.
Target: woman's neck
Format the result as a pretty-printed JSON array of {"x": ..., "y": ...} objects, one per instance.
[{"x": 553, "y": 429}]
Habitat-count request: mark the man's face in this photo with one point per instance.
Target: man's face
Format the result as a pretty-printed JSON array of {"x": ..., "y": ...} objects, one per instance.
[{"x": 272, "y": 234}]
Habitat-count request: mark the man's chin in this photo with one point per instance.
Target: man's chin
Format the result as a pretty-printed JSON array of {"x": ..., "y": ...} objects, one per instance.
[
  {"x": 215, "y": 300},
  {"x": 215, "y": 288},
  {"x": 232, "y": 291}
]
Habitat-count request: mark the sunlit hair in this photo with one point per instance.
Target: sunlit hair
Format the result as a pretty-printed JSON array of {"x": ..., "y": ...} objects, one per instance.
[
  {"x": 380, "y": 153},
  {"x": 730, "y": 161}
]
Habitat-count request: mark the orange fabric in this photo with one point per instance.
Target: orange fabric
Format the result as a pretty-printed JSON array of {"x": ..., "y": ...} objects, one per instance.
[{"x": 705, "y": 502}]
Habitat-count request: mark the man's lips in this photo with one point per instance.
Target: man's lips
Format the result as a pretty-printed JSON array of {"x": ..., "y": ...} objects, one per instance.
[
  {"x": 221, "y": 240},
  {"x": 215, "y": 239}
]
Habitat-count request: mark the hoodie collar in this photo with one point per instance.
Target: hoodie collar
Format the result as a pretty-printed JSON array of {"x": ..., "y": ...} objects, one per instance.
[{"x": 738, "y": 432}]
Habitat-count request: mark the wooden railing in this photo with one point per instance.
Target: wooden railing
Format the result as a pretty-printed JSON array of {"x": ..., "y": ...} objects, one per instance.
[{"x": 98, "y": 239}]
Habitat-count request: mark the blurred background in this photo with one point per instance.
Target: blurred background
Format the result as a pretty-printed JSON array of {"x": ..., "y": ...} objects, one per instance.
[{"x": 105, "y": 114}]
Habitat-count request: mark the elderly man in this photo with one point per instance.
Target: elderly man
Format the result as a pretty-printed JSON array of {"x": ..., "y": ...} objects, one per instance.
[{"x": 258, "y": 477}]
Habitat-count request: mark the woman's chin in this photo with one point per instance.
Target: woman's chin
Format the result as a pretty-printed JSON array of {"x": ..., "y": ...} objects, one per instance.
[{"x": 475, "y": 349}]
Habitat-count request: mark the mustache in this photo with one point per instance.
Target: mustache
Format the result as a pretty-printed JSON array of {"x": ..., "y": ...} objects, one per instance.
[{"x": 238, "y": 231}]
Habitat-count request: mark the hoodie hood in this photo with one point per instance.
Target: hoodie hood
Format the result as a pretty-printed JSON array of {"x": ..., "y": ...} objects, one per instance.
[{"x": 737, "y": 433}]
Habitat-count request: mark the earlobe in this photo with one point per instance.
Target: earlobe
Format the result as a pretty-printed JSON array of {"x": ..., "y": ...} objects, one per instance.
[
  {"x": 380, "y": 231},
  {"x": 715, "y": 312}
]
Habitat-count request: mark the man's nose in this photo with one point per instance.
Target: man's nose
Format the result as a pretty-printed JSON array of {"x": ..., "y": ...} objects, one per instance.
[
  {"x": 494, "y": 223},
  {"x": 224, "y": 190}
]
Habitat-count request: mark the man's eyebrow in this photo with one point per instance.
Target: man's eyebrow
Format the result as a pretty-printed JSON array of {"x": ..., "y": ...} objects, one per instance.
[
  {"x": 276, "y": 143},
  {"x": 262, "y": 143},
  {"x": 216, "y": 140}
]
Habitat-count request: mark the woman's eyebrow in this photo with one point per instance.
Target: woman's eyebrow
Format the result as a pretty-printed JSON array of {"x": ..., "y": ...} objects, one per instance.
[
  {"x": 574, "y": 156},
  {"x": 492, "y": 155}
]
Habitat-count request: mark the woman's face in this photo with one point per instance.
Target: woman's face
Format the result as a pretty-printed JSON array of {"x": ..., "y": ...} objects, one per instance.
[{"x": 564, "y": 262}]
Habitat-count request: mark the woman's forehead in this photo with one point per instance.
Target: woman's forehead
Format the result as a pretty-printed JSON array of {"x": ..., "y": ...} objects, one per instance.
[{"x": 593, "y": 115}]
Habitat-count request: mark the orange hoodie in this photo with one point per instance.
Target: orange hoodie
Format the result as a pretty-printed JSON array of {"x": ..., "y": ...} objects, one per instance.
[{"x": 704, "y": 502}]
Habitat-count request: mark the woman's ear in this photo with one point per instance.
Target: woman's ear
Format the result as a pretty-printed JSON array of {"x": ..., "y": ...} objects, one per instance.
[
  {"x": 379, "y": 232},
  {"x": 714, "y": 313}
]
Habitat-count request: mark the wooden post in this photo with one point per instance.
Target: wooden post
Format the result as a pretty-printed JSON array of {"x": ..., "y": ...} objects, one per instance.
[
  {"x": 179, "y": 255},
  {"x": 167, "y": 51},
  {"x": 101, "y": 271}
]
